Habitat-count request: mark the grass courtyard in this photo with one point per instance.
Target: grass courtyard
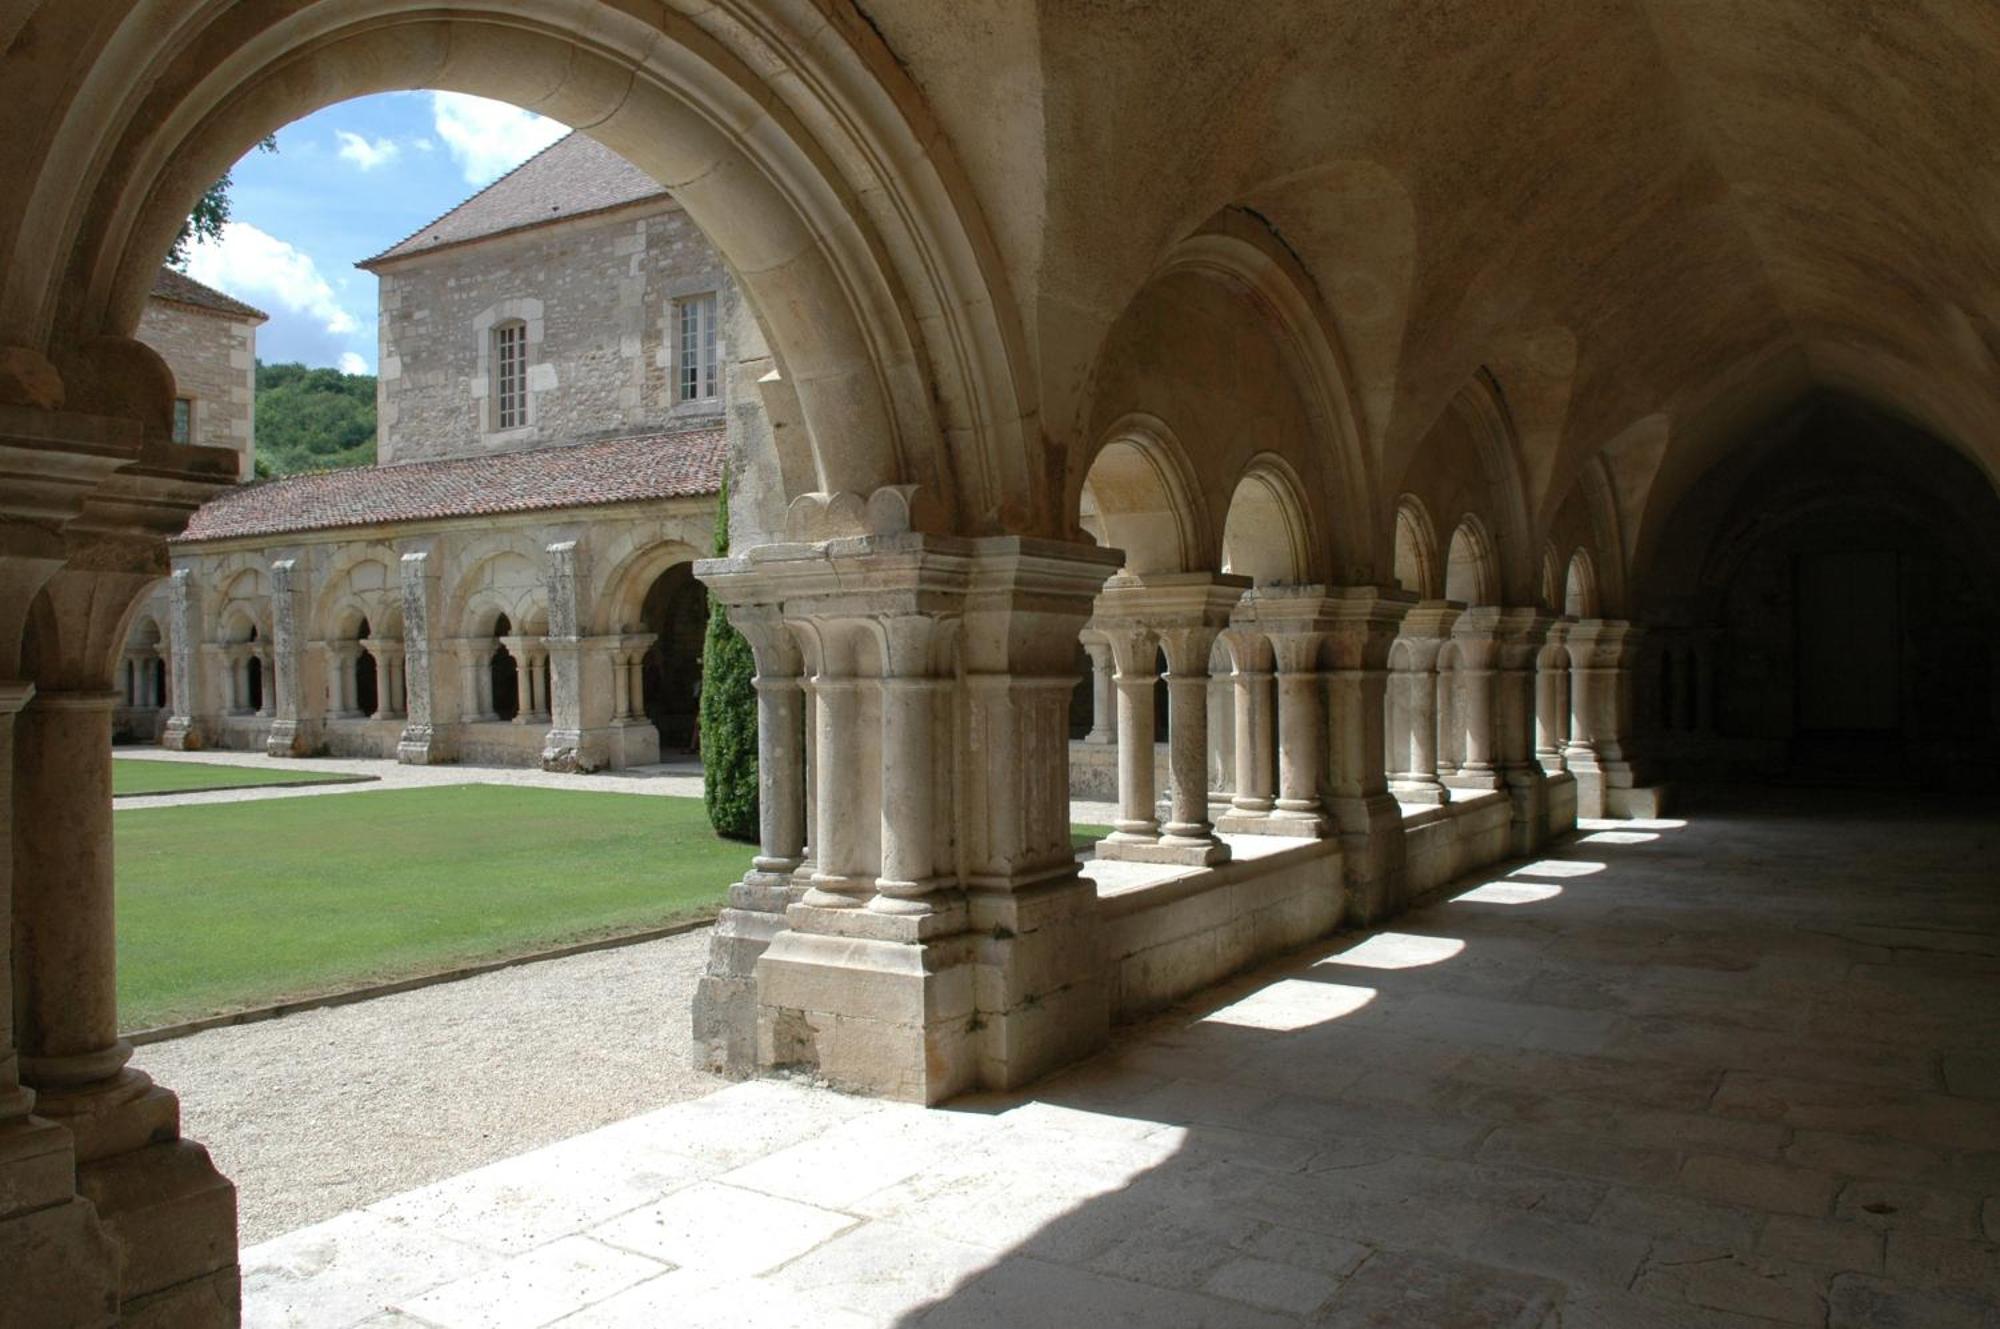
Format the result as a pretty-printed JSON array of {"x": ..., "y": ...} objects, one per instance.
[
  {"x": 137, "y": 775},
  {"x": 236, "y": 905}
]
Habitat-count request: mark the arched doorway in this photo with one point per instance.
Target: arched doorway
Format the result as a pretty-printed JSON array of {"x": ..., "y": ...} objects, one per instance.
[
  {"x": 675, "y": 614},
  {"x": 503, "y": 673}
]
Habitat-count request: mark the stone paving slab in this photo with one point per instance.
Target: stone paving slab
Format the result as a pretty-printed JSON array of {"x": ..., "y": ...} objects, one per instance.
[{"x": 1476, "y": 1116}]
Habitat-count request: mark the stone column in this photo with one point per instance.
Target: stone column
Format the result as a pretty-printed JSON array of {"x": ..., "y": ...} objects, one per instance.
[
  {"x": 1362, "y": 627},
  {"x": 296, "y": 730},
  {"x": 1182, "y": 613},
  {"x": 1136, "y": 652},
  {"x": 1300, "y": 721},
  {"x": 1475, "y": 635},
  {"x": 725, "y": 1001},
  {"x": 1602, "y": 653},
  {"x": 427, "y": 729},
  {"x": 1103, "y": 691},
  {"x": 1521, "y": 635},
  {"x": 15, "y": 1101},
  {"x": 1425, "y": 630},
  {"x": 1000, "y": 978},
  {"x": 1256, "y": 756},
  {"x": 1552, "y": 699},
  {"x": 910, "y": 778},
  {"x": 1188, "y": 829}
]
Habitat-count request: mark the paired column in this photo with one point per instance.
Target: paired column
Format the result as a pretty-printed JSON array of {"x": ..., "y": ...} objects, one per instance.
[
  {"x": 1598, "y": 754},
  {"x": 1552, "y": 699},
  {"x": 1252, "y": 674},
  {"x": 1475, "y": 649},
  {"x": 1300, "y": 721},
  {"x": 1521, "y": 636},
  {"x": 1136, "y": 653},
  {"x": 1418, "y": 721},
  {"x": 1188, "y": 831}
]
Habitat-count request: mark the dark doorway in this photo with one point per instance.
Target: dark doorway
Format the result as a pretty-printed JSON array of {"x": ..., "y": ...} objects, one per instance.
[
  {"x": 675, "y": 613},
  {"x": 504, "y": 673},
  {"x": 365, "y": 695},
  {"x": 1849, "y": 637}
]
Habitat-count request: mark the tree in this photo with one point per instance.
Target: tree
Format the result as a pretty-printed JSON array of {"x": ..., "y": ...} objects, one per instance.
[
  {"x": 728, "y": 712},
  {"x": 211, "y": 210},
  {"x": 313, "y": 419}
]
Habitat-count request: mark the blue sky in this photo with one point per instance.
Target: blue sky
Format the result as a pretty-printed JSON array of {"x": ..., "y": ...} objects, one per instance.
[{"x": 346, "y": 183}]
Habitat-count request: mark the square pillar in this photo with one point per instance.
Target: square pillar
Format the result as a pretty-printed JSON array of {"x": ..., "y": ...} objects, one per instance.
[
  {"x": 947, "y": 940},
  {"x": 1521, "y": 637},
  {"x": 1475, "y": 646},
  {"x": 1363, "y": 623},
  {"x": 296, "y": 732},
  {"x": 1603, "y": 653}
]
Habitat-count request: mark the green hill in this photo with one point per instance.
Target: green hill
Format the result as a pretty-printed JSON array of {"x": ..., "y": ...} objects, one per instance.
[{"x": 313, "y": 419}]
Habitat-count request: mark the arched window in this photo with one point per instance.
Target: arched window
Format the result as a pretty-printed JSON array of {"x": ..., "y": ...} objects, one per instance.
[
  {"x": 510, "y": 374},
  {"x": 504, "y": 673},
  {"x": 366, "y": 693}
]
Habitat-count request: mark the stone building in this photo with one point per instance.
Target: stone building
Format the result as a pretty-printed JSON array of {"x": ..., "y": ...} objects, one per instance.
[
  {"x": 1501, "y": 386},
  {"x": 511, "y": 583}
]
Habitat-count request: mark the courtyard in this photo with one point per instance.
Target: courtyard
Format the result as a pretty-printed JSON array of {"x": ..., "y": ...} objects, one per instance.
[{"x": 1732, "y": 1071}]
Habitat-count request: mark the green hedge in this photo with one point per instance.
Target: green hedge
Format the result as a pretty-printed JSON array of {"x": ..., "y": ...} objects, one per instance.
[{"x": 728, "y": 713}]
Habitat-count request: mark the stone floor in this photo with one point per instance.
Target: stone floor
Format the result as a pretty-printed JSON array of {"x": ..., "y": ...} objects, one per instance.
[{"x": 1739, "y": 1071}]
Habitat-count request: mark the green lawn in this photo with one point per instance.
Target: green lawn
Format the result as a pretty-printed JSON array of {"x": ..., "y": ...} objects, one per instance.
[
  {"x": 238, "y": 905},
  {"x": 138, "y": 775}
]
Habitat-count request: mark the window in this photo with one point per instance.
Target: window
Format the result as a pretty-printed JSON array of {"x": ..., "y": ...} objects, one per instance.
[
  {"x": 694, "y": 351},
  {"x": 183, "y": 419},
  {"x": 510, "y": 375}
]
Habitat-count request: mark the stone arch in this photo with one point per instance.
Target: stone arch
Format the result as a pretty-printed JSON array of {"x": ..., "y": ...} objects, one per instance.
[
  {"x": 1471, "y": 568},
  {"x": 1415, "y": 562},
  {"x": 631, "y": 577},
  {"x": 359, "y": 575},
  {"x": 1551, "y": 583},
  {"x": 1580, "y": 597},
  {"x": 1138, "y": 495},
  {"x": 803, "y": 149},
  {"x": 1268, "y": 535},
  {"x": 505, "y": 578},
  {"x": 1237, "y": 248}
]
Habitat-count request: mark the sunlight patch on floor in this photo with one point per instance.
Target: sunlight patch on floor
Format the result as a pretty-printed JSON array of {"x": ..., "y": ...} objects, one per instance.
[
  {"x": 1291, "y": 1004},
  {"x": 1397, "y": 950},
  {"x": 1558, "y": 867},
  {"x": 1509, "y": 892}
]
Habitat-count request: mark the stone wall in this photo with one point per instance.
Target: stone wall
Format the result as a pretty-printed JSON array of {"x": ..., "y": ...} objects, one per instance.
[
  {"x": 214, "y": 359},
  {"x": 598, "y": 297}
]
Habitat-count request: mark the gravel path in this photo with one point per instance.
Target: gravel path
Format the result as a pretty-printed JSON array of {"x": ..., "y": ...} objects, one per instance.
[
  {"x": 680, "y": 779},
  {"x": 325, "y": 1111}
]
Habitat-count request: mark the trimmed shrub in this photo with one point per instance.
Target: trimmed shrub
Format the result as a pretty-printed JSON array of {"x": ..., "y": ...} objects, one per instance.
[{"x": 728, "y": 713}]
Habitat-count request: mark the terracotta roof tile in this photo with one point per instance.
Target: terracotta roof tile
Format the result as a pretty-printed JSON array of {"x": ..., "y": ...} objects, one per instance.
[
  {"x": 621, "y": 470},
  {"x": 185, "y": 290},
  {"x": 572, "y": 176}
]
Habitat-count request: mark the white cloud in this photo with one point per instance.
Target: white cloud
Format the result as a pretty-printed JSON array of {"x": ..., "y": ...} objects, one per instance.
[
  {"x": 252, "y": 265},
  {"x": 363, "y": 153},
  {"x": 423, "y": 145},
  {"x": 487, "y": 138},
  {"x": 350, "y": 363}
]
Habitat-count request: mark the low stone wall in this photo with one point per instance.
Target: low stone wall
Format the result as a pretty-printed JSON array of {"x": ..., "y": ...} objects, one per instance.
[
  {"x": 1179, "y": 936},
  {"x": 362, "y": 738},
  {"x": 1187, "y": 929}
]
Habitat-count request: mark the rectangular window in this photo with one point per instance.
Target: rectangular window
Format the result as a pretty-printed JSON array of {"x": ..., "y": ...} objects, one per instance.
[
  {"x": 183, "y": 419},
  {"x": 510, "y": 376},
  {"x": 695, "y": 353}
]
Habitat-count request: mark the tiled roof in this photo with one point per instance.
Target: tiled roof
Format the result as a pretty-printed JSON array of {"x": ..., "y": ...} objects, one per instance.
[
  {"x": 620, "y": 470},
  {"x": 572, "y": 176},
  {"x": 185, "y": 290}
]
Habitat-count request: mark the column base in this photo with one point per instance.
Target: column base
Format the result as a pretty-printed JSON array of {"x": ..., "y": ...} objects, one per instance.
[
  {"x": 114, "y": 1116},
  {"x": 61, "y": 1266},
  {"x": 172, "y": 1218},
  {"x": 1370, "y": 828},
  {"x": 1527, "y": 791},
  {"x": 872, "y": 1003},
  {"x": 37, "y": 1170},
  {"x": 1043, "y": 997},
  {"x": 182, "y": 734},
  {"x": 1290, "y": 825},
  {"x": 1185, "y": 852},
  {"x": 1425, "y": 793},
  {"x": 425, "y": 745},
  {"x": 725, "y": 998},
  {"x": 1477, "y": 782},
  {"x": 293, "y": 738},
  {"x": 1612, "y": 789}
]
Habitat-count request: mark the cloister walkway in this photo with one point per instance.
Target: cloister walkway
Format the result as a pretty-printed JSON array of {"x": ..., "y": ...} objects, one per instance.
[{"x": 1730, "y": 1072}]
